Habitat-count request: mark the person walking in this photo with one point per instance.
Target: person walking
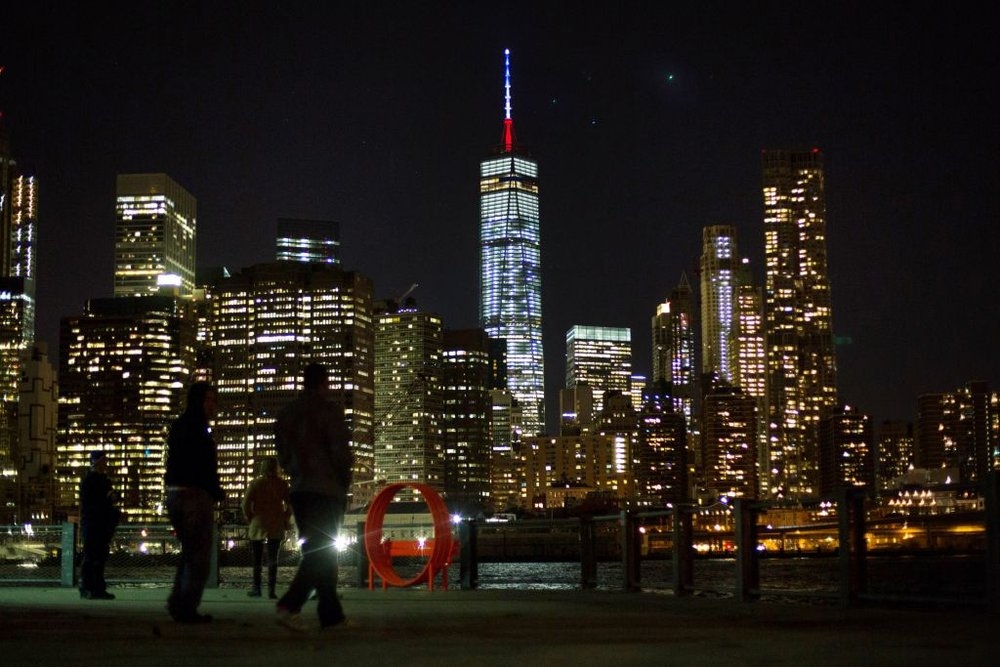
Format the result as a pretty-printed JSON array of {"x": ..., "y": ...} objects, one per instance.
[
  {"x": 98, "y": 519},
  {"x": 193, "y": 488},
  {"x": 313, "y": 445},
  {"x": 267, "y": 509}
]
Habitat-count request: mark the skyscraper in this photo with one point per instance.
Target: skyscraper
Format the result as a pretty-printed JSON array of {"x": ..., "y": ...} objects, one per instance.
[
  {"x": 845, "y": 449},
  {"x": 308, "y": 241},
  {"x": 123, "y": 367},
  {"x": 465, "y": 423},
  {"x": 600, "y": 357},
  {"x": 719, "y": 264},
  {"x": 154, "y": 235},
  {"x": 673, "y": 348},
  {"x": 802, "y": 371},
  {"x": 510, "y": 282},
  {"x": 265, "y": 325},
  {"x": 409, "y": 444}
]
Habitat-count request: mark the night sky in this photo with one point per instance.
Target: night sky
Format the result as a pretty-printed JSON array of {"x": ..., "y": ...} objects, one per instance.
[{"x": 647, "y": 120}]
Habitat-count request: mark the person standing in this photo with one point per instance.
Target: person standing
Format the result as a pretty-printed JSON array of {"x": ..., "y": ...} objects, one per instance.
[
  {"x": 193, "y": 488},
  {"x": 266, "y": 506},
  {"x": 313, "y": 445},
  {"x": 98, "y": 519}
]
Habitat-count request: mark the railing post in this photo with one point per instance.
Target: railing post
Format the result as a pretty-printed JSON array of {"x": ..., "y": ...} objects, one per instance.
[
  {"x": 683, "y": 558},
  {"x": 67, "y": 565},
  {"x": 852, "y": 551},
  {"x": 213, "y": 561},
  {"x": 588, "y": 557},
  {"x": 748, "y": 564},
  {"x": 468, "y": 569},
  {"x": 362, "y": 558},
  {"x": 630, "y": 552},
  {"x": 991, "y": 502}
]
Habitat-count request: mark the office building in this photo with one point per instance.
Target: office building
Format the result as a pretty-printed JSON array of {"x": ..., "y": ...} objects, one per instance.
[
  {"x": 601, "y": 358},
  {"x": 409, "y": 442},
  {"x": 154, "y": 235},
  {"x": 507, "y": 482},
  {"x": 124, "y": 367},
  {"x": 510, "y": 283},
  {"x": 802, "y": 371},
  {"x": 467, "y": 409},
  {"x": 308, "y": 241},
  {"x": 266, "y": 324}
]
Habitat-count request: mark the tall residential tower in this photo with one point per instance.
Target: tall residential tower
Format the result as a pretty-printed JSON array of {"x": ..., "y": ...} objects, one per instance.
[
  {"x": 802, "y": 370},
  {"x": 510, "y": 281}
]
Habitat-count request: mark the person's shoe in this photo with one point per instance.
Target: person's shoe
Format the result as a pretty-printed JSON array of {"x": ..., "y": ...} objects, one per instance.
[
  {"x": 100, "y": 595},
  {"x": 254, "y": 593},
  {"x": 291, "y": 620},
  {"x": 192, "y": 618}
]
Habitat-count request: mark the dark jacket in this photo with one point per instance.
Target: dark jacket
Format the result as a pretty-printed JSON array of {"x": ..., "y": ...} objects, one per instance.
[
  {"x": 313, "y": 444},
  {"x": 191, "y": 455},
  {"x": 98, "y": 512}
]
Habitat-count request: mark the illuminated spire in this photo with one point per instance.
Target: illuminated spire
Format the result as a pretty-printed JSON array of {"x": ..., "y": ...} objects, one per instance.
[{"x": 508, "y": 122}]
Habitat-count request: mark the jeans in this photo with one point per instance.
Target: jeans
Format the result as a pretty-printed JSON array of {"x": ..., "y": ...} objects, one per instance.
[
  {"x": 318, "y": 518},
  {"x": 191, "y": 512},
  {"x": 257, "y": 554}
]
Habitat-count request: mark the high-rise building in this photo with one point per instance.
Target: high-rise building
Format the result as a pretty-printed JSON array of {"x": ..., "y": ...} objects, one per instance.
[
  {"x": 35, "y": 455},
  {"x": 894, "y": 452},
  {"x": 510, "y": 283},
  {"x": 718, "y": 269},
  {"x": 266, "y": 323},
  {"x": 308, "y": 241},
  {"x": 409, "y": 443},
  {"x": 465, "y": 424},
  {"x": 729, "y": 441},
  {"x": 662, "y": 469},
  {"x": 802, "y": 371},
  {"x": 750, "y": 359},
  {"x": 601, "y": 358},
  {"x": 674, "y": 348},
  {"x": 18, "y": 231},
  {"x": 960, "y": 429},
  {"x": 846, "y": 449},
  {"x": 154, "y": 235},
  {"x": 124, "y": 366},
  {"x": 507, "y": 483}
]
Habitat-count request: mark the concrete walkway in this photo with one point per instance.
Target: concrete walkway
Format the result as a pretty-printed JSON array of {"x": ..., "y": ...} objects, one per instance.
[{"x": 48, "y": 626}]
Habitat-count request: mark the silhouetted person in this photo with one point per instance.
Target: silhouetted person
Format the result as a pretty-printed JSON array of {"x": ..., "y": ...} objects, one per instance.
[
  {"x": 193, "y": 488},
  {"x": 313, "y": 445},
  {"x": 98, "y": 519},
  {"x": 266, "y": 506}
]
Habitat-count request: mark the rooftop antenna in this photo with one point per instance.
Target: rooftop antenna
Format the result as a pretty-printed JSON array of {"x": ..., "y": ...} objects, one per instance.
[{"x": 508, "y": 121}]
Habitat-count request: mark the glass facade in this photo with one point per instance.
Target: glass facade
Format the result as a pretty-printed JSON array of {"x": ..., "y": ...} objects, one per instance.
[
  {"x": 600, "y": 357},
  {"x": 154, "y": 235},
  {"x": 510, "y": 283},
  {"x": 718, "y": 287}
]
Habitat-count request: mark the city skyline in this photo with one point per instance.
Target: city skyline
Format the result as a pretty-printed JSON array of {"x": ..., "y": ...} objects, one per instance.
[{"x": 647, "y": 123}]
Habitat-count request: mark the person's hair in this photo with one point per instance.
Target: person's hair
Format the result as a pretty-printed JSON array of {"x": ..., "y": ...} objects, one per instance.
[
  {"x": 268, "y": 464},
  {"x": 314, "y": 377},
  {"x": 196, "y": 397}
]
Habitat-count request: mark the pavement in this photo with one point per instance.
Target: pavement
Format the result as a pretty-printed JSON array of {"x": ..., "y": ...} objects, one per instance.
[{"x": 413, "y": 627}]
